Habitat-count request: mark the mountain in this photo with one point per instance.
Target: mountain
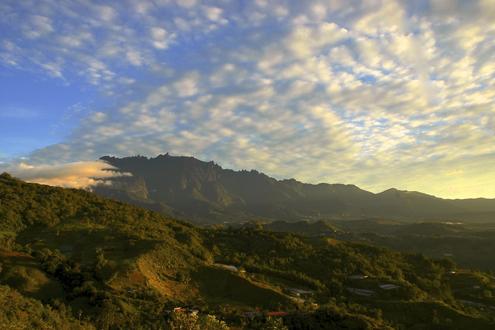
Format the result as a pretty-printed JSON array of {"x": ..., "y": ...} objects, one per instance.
[
  {"x": 205, "y": 192},
  {"x": 73, "y": 260}
]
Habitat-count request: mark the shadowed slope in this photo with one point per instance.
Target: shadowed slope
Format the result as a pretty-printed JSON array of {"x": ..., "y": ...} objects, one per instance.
[{"x": 203, "y": 191}]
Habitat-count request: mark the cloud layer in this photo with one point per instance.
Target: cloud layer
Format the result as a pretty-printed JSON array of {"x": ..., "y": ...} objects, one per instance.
[
  {"x": 375, "y": 93},
  {"x": 72, "y": 175}
]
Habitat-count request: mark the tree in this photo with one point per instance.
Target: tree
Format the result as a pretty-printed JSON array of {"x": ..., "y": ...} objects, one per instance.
[
  {"x": 274, "y": 324},
  {"x": 191, "y": 321},
  {"x": 183, "y": 321},
  {"x": 210, "y": 322}
]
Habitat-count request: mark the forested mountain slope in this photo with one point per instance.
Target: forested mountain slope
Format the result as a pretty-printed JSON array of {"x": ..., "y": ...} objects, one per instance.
[
  {"x": 83, "y": 261},
  {"x": 203, "y": 191}
]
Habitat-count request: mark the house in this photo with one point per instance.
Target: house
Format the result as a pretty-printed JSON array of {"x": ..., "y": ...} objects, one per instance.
[
  {"x": 388, "y": 286},
  {"x": 358, "y": 277},
  {"x": 361, "y": 292},
  {"x": 227, "y": 267},
  {"x": 300, "y": 292}
]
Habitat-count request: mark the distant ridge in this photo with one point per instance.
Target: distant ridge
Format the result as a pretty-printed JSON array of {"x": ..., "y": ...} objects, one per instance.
[{"x": 205, "y": 192}]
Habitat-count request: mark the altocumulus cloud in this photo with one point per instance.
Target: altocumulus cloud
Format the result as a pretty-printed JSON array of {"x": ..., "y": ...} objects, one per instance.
[{"x": 376, "y": 93}]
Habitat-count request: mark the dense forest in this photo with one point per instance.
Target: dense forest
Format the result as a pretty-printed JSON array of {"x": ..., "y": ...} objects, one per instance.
[
  {"x": 73, "y": 260},
  {"x": 468, "y": 244}
]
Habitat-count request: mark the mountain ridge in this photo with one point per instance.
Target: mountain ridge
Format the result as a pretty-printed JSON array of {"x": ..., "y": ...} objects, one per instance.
[{"x": 204, "y": 191}]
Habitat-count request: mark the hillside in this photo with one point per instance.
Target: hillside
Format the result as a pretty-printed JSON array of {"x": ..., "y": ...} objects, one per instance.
[
  {"x": 304, "y": 228},
  {"x": 468, "y": 244},
  {"x": 203, "y": 191},
  {"x": 75, "y": 256}
]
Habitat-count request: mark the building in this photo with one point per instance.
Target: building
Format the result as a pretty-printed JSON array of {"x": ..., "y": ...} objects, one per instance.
[
  {"x": 361, "y": 292},
  {"x": 388, "y": 286},
  {"x": 227, "y": 267},
  {"x": 300, "y": 292},
  {"x": 358, "y": 277}
]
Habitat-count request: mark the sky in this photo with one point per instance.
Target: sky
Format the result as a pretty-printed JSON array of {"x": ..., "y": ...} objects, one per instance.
[{"x": 380, "y": 94}]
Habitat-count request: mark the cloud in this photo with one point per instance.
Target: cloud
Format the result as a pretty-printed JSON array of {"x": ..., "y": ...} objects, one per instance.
[
  {"x": 38, "y": 26},
  {"x": 375, "y": 93},
  {"x": 73, "y": 175},
  {"x": 160, "y": 37},
  {"x": 187, "y": 85},
  {"x": 214, "y": 14},
  {"x": 186, "y": 3},
  {"x": 307, "y": 40},
  {"x": 106, "y": 13}
]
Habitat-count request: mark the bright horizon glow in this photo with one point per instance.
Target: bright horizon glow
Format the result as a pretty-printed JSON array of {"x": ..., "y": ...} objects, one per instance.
[{"x": 379, "y": 94}]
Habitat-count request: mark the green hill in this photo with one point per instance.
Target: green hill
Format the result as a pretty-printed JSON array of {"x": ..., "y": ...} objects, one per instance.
[
  {"x": 20, "y": 312},
  {"x": 72, "y": 255}
]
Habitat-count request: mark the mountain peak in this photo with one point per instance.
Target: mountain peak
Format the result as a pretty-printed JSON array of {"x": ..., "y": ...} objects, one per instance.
[
  {"x": 204, "y": 191},
  {"x": 391, "y": 191},
  {"x": 409, "y": 193}
]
